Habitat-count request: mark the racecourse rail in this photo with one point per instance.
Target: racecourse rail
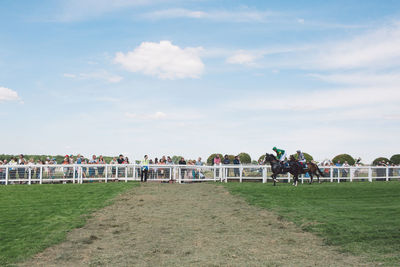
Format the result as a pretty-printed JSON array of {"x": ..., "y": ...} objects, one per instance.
[{"x": 80, "y": 173}]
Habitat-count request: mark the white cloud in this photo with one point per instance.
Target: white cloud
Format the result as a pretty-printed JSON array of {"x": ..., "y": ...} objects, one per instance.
[
  {"x": 98, "y": 75},
  {"x": 152, "y": 116},
  {"x": 379, "y": 48},
  {"x": 7, "y": 94},
  {"x": 242, "y": 57},
  {"x": 164, "y": 60},
  {"x": 361, "y": 78},
  {"x": 69, "y": 75},
  {"x": 319, "y": 100},
  {"x": 243, "y": 15}
]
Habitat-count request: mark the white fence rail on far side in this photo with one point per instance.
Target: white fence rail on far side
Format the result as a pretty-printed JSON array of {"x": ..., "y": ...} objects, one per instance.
[{"x": 87, "y": 173}]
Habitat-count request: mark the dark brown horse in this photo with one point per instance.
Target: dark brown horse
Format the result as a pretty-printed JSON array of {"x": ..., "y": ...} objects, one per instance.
[
  {"x": 311, "y": 168},
  {"x": 293, "y": 167}
]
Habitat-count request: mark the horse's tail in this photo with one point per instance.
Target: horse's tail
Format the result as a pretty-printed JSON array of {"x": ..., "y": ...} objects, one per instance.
[{"x": 319, "y": 170}]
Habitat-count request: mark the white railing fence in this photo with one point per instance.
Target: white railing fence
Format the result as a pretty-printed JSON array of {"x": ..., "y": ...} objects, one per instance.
[{"x": 86, "y": 173}]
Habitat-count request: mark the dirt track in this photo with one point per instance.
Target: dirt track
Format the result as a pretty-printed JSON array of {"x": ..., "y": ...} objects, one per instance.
[{"x": 186, "y": 225}]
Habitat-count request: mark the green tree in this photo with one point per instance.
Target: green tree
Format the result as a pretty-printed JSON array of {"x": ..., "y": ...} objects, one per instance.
[
  {"x": 377, "y": 160},
  {"x": 231, "y": 158},
  {"x": 176, "y": 159},
  {"x": 210, "y": 159},
  {"x": 262, "y": 157},
  {"x": 395, "y": 159},
  {"x": 343, "y": 158},
  {"x": 244, "y": 158}
]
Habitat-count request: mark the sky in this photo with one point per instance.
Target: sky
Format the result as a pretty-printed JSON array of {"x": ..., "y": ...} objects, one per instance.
[{"x": 197, "y": 77}]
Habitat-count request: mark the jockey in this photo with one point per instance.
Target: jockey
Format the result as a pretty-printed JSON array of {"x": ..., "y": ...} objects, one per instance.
[
  {"x": 280, "y": 155},
  {"x": 301, "y": 159}
]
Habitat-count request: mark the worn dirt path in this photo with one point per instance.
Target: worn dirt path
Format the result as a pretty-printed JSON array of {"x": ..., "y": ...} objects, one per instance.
[{"x": 186, "y": 225}]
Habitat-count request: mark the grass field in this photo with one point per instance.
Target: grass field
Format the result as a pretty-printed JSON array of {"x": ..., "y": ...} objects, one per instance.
[
  {"x": 360, "y": 218},
  {"x": 37, "y": 216}
]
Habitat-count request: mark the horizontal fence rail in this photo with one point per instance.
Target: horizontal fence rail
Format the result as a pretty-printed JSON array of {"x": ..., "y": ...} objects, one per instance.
[{"x": 87, "y": 173}]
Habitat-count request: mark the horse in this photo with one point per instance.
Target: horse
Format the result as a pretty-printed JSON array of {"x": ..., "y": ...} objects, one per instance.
[
  {"x": 293, "y": 167},
  {"x": 312, "y": 169}
]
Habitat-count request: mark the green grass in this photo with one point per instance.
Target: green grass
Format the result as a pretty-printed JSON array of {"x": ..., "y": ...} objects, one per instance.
[
  {"x": 360, "y": 218},
  {"x": 37, "y": 216}
]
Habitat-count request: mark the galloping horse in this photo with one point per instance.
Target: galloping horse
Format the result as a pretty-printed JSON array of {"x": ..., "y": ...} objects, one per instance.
[{"x": 293, "y": 167}]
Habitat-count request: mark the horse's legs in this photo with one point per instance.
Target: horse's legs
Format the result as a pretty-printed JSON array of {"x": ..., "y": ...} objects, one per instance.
[
  {"x": 318, "y": 177},
  {"x": 274, "y": 178},
  {"x": 311, "y": 177}
]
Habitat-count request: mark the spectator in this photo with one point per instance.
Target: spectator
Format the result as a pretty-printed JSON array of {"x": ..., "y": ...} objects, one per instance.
[
  {"x": 2, "y": 172},
  {"x": 336, "y": 171},
  {"x": 112, "y": 162},
  {"x": 327, "y": 170},
  {"x": 199, "y": 174},
  {"x": 168, "y": 170},
  {"x": 92, "y": 170},
  {"x": 345, "y": 171},
  {"x": 145, "y": 169},
  {"x": 169, "y": 161},
  {"x": 100, "y": 170},
  {"x": 12, "y": 170},
  {"x": 226, "y": 162},
  {"x": 65, "y": 169},
  {"x": 182, "y": 162},
  {"x": 161, "y": 171},
  {"x": 120, "y": 160},
  {"x": 21, "y": 171},
  {"x": 217, "y": 162},
  {"x": 236, "y": 171},
  {"x": 37, "y": 169}
]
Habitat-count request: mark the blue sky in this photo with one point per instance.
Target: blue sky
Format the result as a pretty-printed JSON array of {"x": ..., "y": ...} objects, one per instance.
[{"x": 197, "y": 77}]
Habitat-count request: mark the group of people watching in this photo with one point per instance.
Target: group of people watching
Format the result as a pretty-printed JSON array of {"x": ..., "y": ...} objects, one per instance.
[{"x": 32, "y": 167}]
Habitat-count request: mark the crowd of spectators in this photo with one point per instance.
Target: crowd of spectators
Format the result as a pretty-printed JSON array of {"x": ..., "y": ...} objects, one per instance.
[{"x": 31, "y": 167}]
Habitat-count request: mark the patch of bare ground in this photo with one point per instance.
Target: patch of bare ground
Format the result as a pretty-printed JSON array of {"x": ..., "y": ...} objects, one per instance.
[{"x": 189, "y": 225}]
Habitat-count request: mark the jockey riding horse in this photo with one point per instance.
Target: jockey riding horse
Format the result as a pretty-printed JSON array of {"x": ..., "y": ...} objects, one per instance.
[{"x": 293, "y": 167}]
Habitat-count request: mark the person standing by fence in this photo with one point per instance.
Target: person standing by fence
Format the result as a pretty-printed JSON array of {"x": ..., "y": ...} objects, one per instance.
[
  {"x": 145, "y": 169},
  {"x": 236, "y": 171}
]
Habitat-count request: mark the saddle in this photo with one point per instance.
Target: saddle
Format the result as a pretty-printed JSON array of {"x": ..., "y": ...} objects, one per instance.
[{"x": 303, "y": 165}]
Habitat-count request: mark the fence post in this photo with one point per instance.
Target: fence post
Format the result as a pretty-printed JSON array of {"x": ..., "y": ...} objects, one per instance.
[
  {"x": 215, "y": 173},
  {"x": 370, "y": 174},
  {"x": 351, "y": 173},
  {"x": 74, "y": 174},
  {"x": 331, "y": 173},
  {"x": 41, "y": 175},
  {"x": 339, "y": 175},
  {"x": 179, "y": 175},
  {"x": 106, "y": 174},
  {"x": 387, "y": 173},
  {"x": 302, "y": 178},
  {"x": 264, "y": 175},
  {"x": 288, "y": 177},
  {"x": 226, "y": 174},
  {"x": 6, "y": 175},
  {"x": 241, "y": 173},
  {"x": 30, "y": 176},
  {"x": 134, "y": 172},
  {"x": 126, "y": 173}
]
